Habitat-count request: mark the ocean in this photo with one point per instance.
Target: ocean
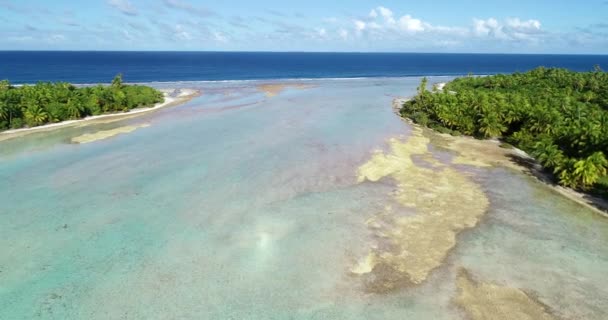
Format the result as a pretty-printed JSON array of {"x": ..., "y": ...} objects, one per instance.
[{"x": 100, "y": 67}]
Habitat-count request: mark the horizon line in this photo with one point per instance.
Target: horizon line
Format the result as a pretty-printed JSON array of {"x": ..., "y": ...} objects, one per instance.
[{"x": 310, "y": 52}]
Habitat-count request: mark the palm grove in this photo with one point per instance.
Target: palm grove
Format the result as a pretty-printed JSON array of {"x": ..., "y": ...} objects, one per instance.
[
  {"x": 559, "y": 116},
  {"x": 45, "y": 102}
]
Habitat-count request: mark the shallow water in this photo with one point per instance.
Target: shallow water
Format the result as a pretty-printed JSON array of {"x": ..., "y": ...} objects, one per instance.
[{"x": 240, "y": 206}]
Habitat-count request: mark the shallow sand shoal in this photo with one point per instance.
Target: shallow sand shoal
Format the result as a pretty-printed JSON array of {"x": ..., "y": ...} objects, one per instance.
[
  {"x": 272, "y": 90},
  {"x": 105, "y": 134}
]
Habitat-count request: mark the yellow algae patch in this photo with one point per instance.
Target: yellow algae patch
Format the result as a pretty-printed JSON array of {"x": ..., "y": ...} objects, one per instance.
[
  {"x": 272, "y": 90},
  {"x": 445, "y": 200},
  {"x": 105, "y": 134},
  {"x": 478, "y": 153},
  {"x": 483, "y": 301},
  {"x": 383, "y": 165}
]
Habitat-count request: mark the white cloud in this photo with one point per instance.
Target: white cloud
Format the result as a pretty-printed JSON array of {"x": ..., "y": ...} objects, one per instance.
[
  {"x": 322, "y": 32},
  {"x": 387, "y": 15},
  {"x": 383, "y": 19},
  {"x": 127, "y": 35},
  {"x": 343, "y": 33},
  {"x": 181, "y": 33},
  {"x": 219, "y": 37},
  {"x": 123, "y": 6},
  {"x": 383, "y": 25},
  {"x": 489, "y": 27},
  {"x": 56, "y": 38},
  {"x": 530, "y": 26},
  {"x": 409, "y": 24},
  {"x": 511, "y": 29},
  {"x": 360, "y": 26}
]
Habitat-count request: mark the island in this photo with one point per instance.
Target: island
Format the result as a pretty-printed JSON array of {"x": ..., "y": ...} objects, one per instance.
[
  {"x": 44, "y": 103},
  {"x": 560, "y": 117}
]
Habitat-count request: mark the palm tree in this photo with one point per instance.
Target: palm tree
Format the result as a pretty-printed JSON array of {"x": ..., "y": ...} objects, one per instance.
[
  {"x": 490, "y": 125},
  {"x": 35, "y": 115},
  {"x": 5, "y": 110},
  {"x": 588, "y": 171},
  {"x": 74, "y": 109},
  {"x": 549, "y": 155},
  {"x": 117, "y": 81}
]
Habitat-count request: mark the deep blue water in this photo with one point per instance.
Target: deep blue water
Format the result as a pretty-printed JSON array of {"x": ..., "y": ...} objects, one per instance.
[{"x": 94, "y": 67}]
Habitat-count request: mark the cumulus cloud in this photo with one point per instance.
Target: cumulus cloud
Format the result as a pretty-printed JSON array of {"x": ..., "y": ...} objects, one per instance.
[
  {"x": 373, "y": 14},
  {"x": 387, "y": 14},
  {"x": 511, "y": 29},
  {"x": 489, "y": 27},
  {"x": 410, "y": 24},
  {"x": 123, "y": 6},
  {"x": 382, "y": 19},
  {"x": 384, "y": 26},
  {"x": 360, "y": 26}
]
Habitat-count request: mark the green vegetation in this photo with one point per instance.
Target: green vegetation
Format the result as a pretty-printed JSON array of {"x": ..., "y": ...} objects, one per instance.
[
  {"x": 558, "y": 116},
  {"x": 30, "y": 106}
]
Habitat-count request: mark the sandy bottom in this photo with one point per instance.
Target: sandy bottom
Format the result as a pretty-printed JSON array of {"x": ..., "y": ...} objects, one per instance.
[
  {"x": 106, "y": 134},
  {"x": 272, "y": 90},
  {"x": 483, "y": 301}
]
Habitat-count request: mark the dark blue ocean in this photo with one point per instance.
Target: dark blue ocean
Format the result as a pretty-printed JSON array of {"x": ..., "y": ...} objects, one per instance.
[{"x": 95, "y": 67}]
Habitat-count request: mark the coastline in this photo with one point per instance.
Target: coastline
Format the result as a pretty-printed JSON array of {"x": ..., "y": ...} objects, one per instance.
[
  {"x": 488, "y": 153},
  {"x": 173, "y": 97}
]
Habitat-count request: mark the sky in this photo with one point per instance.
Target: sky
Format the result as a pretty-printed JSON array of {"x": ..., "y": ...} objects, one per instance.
[{"x": 514, "y": 26}]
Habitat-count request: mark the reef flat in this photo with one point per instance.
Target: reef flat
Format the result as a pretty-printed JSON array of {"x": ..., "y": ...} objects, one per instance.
[
  {"x": 445, "y": 202},
  {"x": 490, "y": 301}
]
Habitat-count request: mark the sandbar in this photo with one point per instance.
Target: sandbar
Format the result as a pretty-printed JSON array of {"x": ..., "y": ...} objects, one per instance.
[{"x": 105, "y": 134}]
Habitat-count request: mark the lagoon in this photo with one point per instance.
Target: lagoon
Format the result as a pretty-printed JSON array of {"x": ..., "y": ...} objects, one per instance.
[{"x": 242, "y": 204}]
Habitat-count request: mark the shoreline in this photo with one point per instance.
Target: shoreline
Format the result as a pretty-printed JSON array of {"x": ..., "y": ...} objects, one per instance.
[
  {"x": 508, "y": 158},
  {"x": 173, "y": 97}
]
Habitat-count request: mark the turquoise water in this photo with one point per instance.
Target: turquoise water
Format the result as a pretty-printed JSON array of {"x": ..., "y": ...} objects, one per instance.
[{"x": 240, "y": 206}]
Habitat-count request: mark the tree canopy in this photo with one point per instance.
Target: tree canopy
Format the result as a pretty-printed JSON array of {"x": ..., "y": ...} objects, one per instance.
[
  {"x": 556, "y": 115},
  {"x": 45, "y": 102}
]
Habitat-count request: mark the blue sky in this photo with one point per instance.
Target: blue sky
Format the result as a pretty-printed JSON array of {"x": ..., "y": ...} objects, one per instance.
[{"x": 523, "y": 26}]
